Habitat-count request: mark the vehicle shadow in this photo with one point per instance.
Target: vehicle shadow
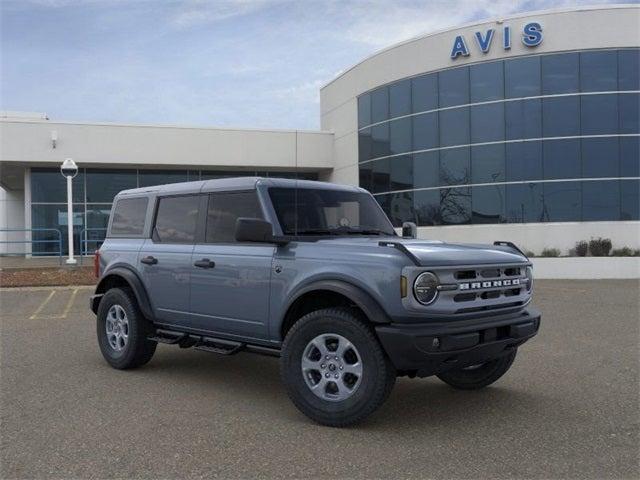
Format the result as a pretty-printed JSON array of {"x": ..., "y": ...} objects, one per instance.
[{"x": 413, "y": 404}]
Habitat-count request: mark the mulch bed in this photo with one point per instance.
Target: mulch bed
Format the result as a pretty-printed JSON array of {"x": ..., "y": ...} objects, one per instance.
[{"x": 46, "y": 276}]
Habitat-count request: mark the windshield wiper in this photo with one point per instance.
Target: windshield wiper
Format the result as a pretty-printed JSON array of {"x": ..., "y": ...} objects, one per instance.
[
  {"x": 314, "y": 231},
  {"x": 362, "y": 231}
]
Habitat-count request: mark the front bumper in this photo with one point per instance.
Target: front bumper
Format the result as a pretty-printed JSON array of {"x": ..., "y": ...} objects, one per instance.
[{"x": 430, "y": 348}]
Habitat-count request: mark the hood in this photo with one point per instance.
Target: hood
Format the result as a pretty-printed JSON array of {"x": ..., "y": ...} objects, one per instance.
[{"x": 435, "y": 253}]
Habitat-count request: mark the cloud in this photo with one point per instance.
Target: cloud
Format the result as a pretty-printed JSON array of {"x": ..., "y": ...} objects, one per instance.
[{"x": 190, "y": 13}]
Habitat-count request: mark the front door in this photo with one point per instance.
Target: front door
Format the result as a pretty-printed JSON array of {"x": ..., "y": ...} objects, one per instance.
[
  {"x": 165, "y": 259},
  {"x": 230, "y": 281}
]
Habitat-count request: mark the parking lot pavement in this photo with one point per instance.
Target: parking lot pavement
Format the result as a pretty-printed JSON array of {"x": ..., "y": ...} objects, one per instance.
[{"x": 567, "y": 409}]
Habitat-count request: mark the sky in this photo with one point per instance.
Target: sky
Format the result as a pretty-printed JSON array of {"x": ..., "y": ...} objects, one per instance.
[{"x": 227, "y": 63}]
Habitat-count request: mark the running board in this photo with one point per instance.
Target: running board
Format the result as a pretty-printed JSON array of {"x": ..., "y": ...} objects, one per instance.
[
  {"x": 168, "y": 337},
  {"x": 220, "y": 346}
]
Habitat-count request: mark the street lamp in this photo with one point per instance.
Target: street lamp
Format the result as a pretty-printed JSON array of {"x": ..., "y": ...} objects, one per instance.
[{"x": 69, "y": 169}]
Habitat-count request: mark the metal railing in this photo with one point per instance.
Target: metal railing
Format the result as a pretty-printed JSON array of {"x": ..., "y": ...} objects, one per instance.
[
  {"x": 57, "y": 241},
  {"x": 85, "y": 240}
]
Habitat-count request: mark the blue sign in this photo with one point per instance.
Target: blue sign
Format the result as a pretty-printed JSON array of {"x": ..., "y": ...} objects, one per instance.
[{"x": 531, "y": 37}]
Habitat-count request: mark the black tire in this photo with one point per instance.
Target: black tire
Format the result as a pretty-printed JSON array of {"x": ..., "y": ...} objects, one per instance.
[
  {"x": 138, "y": 350},
  {"x": 474, "y": 378},
  {"x": 375, "y": 384}
]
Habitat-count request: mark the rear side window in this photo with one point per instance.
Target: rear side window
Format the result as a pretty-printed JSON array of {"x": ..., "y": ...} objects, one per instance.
[
  {"x": 224, "y": 209},
  {"x": 176, "y": 219},
  {"x": 128, "y": 216}
]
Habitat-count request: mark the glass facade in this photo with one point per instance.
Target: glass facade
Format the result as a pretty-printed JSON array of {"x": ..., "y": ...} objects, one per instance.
[
  {"x": 93, "y": 193},
  {"x": 545, "y": 138}
]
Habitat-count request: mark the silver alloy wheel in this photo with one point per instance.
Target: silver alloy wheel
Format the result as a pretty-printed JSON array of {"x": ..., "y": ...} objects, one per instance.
[
  {"x": 332, "y": 367},
  {"x": 117, "y": 328}
]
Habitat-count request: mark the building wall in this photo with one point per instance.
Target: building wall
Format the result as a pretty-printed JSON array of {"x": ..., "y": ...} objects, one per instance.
[
  {"x": 565, "y": 31},
  {"x": 11, "y": 217}
]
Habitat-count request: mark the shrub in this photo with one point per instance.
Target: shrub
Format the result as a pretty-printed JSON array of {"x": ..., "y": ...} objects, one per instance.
[
  {"x": 550, "y": 252},
  {"x": 600, "y": 247},
  {"x": 581, "y": 248},
  {"x": 623, "y": 252},
  {"x": 529, "y": 253},
  {"x": 636, "y": 252}
]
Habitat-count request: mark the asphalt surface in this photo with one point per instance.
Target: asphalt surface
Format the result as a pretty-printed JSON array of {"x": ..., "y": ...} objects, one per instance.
[{"x": 568, "y": 408}]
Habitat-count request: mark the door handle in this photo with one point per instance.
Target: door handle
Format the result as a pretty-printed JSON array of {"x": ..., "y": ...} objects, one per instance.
[
  {"x": 204, "y": 263},
  {"x": 149, "y": 260}
]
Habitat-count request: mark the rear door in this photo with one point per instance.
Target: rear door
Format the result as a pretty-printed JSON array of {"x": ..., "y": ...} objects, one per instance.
[
  {"x": 230, "y": 281},
  {"x": 165, "y": 259}
]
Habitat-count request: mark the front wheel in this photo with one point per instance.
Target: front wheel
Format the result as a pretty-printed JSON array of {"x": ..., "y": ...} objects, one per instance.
[
  {"x": 334, "y": 368},
  {"x": 479, "y": 376}
]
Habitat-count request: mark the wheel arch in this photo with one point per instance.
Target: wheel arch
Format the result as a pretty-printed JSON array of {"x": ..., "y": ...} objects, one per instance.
[
  {"x": 124, "y": 277},
  {"x": 330, "y": 293}
]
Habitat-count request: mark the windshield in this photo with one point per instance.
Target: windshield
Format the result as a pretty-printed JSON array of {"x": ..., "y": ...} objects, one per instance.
[{"x": 328, "y": 212}]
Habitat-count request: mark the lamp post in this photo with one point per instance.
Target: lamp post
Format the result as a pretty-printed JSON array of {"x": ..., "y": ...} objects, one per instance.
[{"x": 69, "y": 170}]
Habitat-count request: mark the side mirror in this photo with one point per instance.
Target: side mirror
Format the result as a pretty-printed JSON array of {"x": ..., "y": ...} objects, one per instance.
[
  {"x": 409, "y": 230},
  {"x": 255, "y": 230}
]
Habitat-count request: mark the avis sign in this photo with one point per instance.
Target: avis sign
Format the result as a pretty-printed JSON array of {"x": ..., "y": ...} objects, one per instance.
[{"x": 531, "y": 37}]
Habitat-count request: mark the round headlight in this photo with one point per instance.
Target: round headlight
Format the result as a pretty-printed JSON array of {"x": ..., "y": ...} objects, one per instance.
[
  {"x": 529, "y": 274},
  {"x": 425, "y": 288}
]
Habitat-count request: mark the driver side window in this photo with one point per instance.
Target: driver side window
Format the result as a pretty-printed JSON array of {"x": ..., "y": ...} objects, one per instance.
[{"x": 223, "y": 211}]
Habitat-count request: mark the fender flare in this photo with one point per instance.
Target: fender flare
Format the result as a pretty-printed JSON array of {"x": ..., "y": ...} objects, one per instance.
[
  {"x": 134, "y": 282},
  {"x": 371, "y": 308}
]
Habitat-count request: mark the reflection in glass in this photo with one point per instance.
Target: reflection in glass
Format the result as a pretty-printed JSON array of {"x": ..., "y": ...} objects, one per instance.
[
  {"x": 381, "y": 176},
  {"x": 364, "y": 145},
  {"x": 455, "y": 166},
  {"x": 365, "y": 175},
  {"x": 364, "y": 110},
  {"x": 487, "y": 81},
  {"x": 379, "y": 104},
  {"x": 401, "y": 172},
  {"x": 400, "y": 135},
  {"x": 600, "y": 200},
  {"x": 400, "y": 99},
  {"x": 380, "y": 140},
  {"x": 401, "y": 208},
  {"x": 524, "y": 203},
  {"x": 488, "y": 204},
  {"x": 55, "y": 217},
  {"x": 560, "y": 73},
  {"x": 425, "y": 131},
  {"x": 630, "y": 157},
  {"x": 454, "y": 127},
  {"x": 427, "y": 207},
  {"x": 630, "y": 200},
  {"x": 150, "y": 178},
  {"x": 49, "y": 186},
  {"x": 600, "y": 157},
  {"x": 104, "y": 185},
  {"x": 562, "y": 202},
  {"x": 487, "y": 164},
  {"x": 629, "y": 69},
  {"x": 426, "y": 169},
  {"x": 598, "y": 71},
  {"x": 523, "y": 119},
  {"x": 455, "y": 205},
  {"x": 599, "y": 114},
  {"x": 629, "y": 113}
]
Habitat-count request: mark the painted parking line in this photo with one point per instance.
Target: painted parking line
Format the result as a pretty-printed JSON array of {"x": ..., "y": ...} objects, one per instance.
[{"x": 37, "y": 314}]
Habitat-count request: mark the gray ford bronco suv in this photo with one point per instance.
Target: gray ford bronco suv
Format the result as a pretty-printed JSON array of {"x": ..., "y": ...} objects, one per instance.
[{"x": 313, "y": 273}]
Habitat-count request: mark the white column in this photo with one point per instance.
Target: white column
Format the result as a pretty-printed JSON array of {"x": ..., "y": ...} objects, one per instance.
[{"x": 70, "y": 260}]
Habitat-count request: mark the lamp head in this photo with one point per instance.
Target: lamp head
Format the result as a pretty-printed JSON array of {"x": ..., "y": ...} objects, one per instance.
[{"x": 69, "y": 169}]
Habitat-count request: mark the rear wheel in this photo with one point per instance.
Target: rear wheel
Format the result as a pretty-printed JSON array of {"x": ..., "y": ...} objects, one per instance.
[
  {"x": 479, "y": 376},
  {"x": 122, "y": 330},
  {"x": 334, "y": 368}
]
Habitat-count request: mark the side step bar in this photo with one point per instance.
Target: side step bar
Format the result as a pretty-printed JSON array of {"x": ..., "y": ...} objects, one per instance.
[{"x": 220, "y": 346}]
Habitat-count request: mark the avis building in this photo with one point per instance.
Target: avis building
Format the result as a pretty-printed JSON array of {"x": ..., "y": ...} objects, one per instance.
[{"x": 524, "y": 128}]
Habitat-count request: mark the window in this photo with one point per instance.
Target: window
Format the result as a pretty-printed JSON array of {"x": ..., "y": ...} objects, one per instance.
[
  {"x": 454, "y": 127},
  {"x": 598, "y": 71},
  {"x": 365, "y": 176},
  {"x": 562, "y": 202},
  {"x": 401, "y": 208},
  {"x": 400, "y": 99},
  {"x": 487, "y": 81},
  {"x": 629, "y": 69},
  {"x": 522, "y": 77},
  {"x": 560, "y": 73},
  {"x": 561, "y": 159},
  {"x": 453, "y": 86},
  {"x": 630, "y": 200},
  {"x": 223, "y": 211},
  {"x": 425, "y": 131},
  {"x": 455, "y": 205},
  {"x": 176, "y": 219},
  {"x": 524, "y": 203},
  {"x": 426, "y": 168},
  {"x": 599, "y": 114},
  {"x": 600, "y": 201},
  {"x": 487, "y": 123},
  {"x": 128, "y": 216},
  {"x": 379, "y": 105},
  {"x": 523, "y": 119},
  {"x": 454, "y": 166},
  {"x": 600, "y": 157},
  {"x": 427, "y": 207},
  {"x": 104, "y": 185},
  {"x": 488, "y": 204},
  {"x": 630, "y": 157},
  {"x": 364, "y": 110},
  {"x": 53, "y": 217},
  {"x": 364, "y": 145},
  {"x": 380, "y": 174},
  {"x": 161, "y": 177},
  {"x": 401, "y": 172},
  {"x": 400, "y": 135},
  {"x": 380, "y": 141},
  {"x": 49, "y": 186},
  {"x": 424, "y": 93},
  {"x": 487, "y": 164},
  {"x": 629, "y": 113},
  {"x": 561, "y": 116},
  {"x": 523, "y": 161}
]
